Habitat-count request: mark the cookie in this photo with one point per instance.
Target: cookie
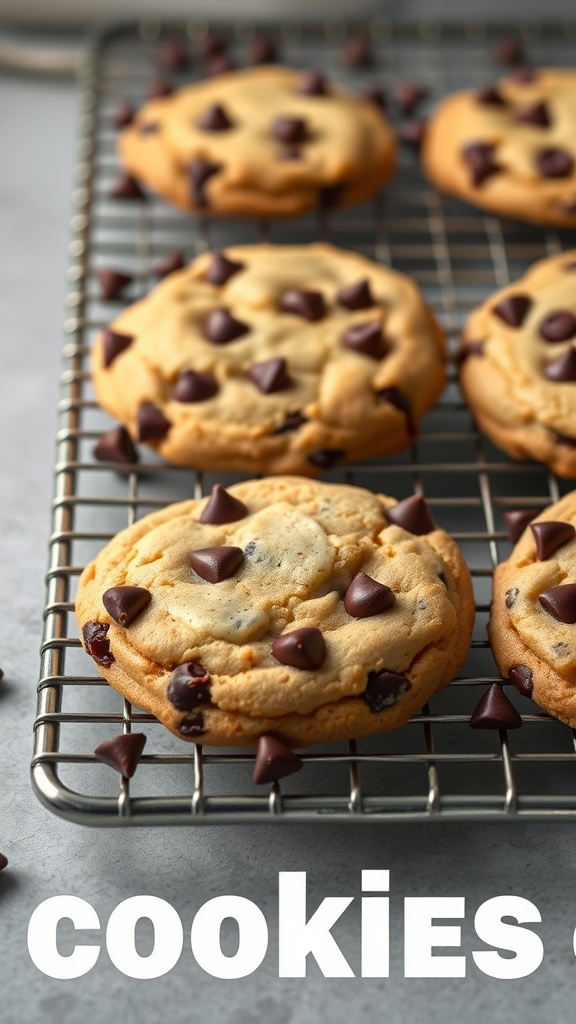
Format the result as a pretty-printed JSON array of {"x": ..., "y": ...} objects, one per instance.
[
  {"x": 510, "y": 147},
  {"x": 518, "y": 365},
  {"x": 283, "y": 606},
  {"x": 533, "y": 618},
  {"x": 265, "y": 141},
  {"x": 273, "y": 359}
]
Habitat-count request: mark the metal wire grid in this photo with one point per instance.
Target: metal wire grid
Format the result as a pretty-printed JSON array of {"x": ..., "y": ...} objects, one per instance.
[{"x": 435, "y": 767}]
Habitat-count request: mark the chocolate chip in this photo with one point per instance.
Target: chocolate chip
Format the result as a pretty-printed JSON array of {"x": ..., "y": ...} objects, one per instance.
[
  {"x": 490, "y": 97},
  {"x": 412, "y": 133},
  {"x": 366, "y": 338},
  {"x": 513, "y": 310},
  {"x": 412, "y": 515},
  {"x": 116, "y": 445},
  {"x": 124, "y": 115},
  {"x": 384, "y": 689},
  {"x": 522, "y": 76},
  {"x": 270, "y": 375},
  {"x": 189, "y": 687},
  {"x": 124, "y": 604},
  {"x": 159, "y": 90},
  {"x": 274, "y": 760},
  {"x": 366, "y": 597},
  {"x": 212, "y": 45},
  {"x": 302, "y": 648},
  {"x": 536, "y": 114},
  {"x": 222, "y": 507},
  {"x": 292, "y": 422},
  {"x": 326, "y": 458},
  {"x": 262, "y": 50},
  {"x": 399, "y": 401},
  {"x": 214, "y": 119},
  {"x": 375, "y": 94},
  {"x": 562, "y": 369},
  {"x": 291, "y": 153},
  {"x": 113, "y": 343},
  {"x": 173, "y": 55},
  {"x": 479, "y": 156},
  {"x": 558, "y": 326},
  {"x": 511, "y": 596},
  {"x": 221, "y": 269},
  {"x": 289, "y": 129},
  {"x": 560, "y": 602},
  {"x": 312, "y": 83},
  {"x": 330, "y": 195},
  {"x": 152, "y": 423},
  {"x": 517, "y": 520},
  {"x": 550, "y": 536},
  {"x": 192, "y": 725},
  {"x": 112, "y": 282},
  {"x": 495, "y": 711},
  {"x": 468, "y": 349},
  {"x": 554, "y": 162},
  {"x": 220, "y": 65},
  {"x": 122, "y": 752},
  {"x": 309, "y": 305},
  {"x": 357, "y": 52},
  {"x": 356, "y": 295},
  {"x": 149, "y": 128},
  {"x": 194, "y": 387},
  {"x": 565, "y": 439},
  {"x": 97, "y": 644},
  {"x": 127, "y": 188},
  {"x": 407, "y": 96},
  {"x": 521, "y": 677},
  {"x": 221, "y": 327},
  {"x": 3, "y": 862},
  {"x": 216, "y": 564},
  {"x": 169, "y": 264},
  {"x": 509, "y": 52},
  {"x": 200, "y": 172}
]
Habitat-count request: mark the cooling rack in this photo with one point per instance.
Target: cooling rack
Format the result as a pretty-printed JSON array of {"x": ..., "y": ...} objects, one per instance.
[{"x": 435, "y": 768}]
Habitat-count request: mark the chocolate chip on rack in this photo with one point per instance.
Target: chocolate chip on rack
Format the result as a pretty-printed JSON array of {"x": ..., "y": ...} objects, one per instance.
[
  {"x": 116, "y": 445},
  {"x": 173, "y": 55},
  {"x": 169, "y": 264},
  {"x": 274, "y": 760},
  {"x": 124, "y": 604},
  {"x": 365, "y": 597},
  {"x": 357, "y": 51},
  {"x": 222, "y": 507},
  {"x": 550, "y": 536},
  {"x": 112, "y": 282},
  {"x": 302, "y": 648},
  {"x": 152, "y": 423},
  {"x": 517, "y": 520},
  {"x": 122, "y": 752},
  {"x": 412, "y": 515},
  {"x": 407, "y": 96},
  {"x": 123, "y": 115},
  {"x": 263, "y": 50},
  {"x": 189, "y": 687},
  {"x": 495, "y": 711},
  {"x": 126, "y": 187},
  {"x": 192, "y": 386}
]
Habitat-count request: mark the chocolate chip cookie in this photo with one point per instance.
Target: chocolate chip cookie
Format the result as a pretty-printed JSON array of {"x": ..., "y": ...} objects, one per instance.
[
  {"x": 533, "y": 620},
  {"x": 282, "y": 606},
  {"x": 518, "y": 365},
  {"x": 273, "y": 359},
  {"x": 509, "y": 147},
  {"x": 265, "y": 141}
]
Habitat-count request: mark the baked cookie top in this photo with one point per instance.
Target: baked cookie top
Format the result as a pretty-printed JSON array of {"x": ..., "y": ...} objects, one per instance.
[
  {"x": 518, "y": 364},
  {"x": 533, "y": 620},
  {"x": 273, "y": 359},
  {"x": 266, "y": 141},
  {"x": 319, "y": 611},
  {"x": 510, "y": 147}
]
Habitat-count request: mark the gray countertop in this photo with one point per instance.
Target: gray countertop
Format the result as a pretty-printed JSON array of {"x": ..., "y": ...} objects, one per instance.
[{"x": 186, "y": 867}]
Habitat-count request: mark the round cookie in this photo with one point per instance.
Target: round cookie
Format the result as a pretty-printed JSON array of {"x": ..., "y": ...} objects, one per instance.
[
  {"x": 509, "y": 148},
  {"x": 264, "y": 141},
  {"x": 273, "y": 359},
  {"x": 518, "y": 365},
  {"x": 532, "y": 625},
  {"x": 283, "y": 606}
]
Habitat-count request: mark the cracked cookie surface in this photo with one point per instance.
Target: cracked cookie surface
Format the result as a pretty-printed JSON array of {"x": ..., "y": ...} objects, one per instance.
[
  {"x": 339, "y": 615},
  {"x": 263, "y": 141},
  {"x": 518, "y": 365},
  {"x": 533, "y": 617},
  {"x": 509, "y": 147},
  {"x": 282, "y": 359}
]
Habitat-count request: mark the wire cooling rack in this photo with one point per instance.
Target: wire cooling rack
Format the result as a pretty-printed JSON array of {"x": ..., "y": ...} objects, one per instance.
[{"x": 435, "y": 767}]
